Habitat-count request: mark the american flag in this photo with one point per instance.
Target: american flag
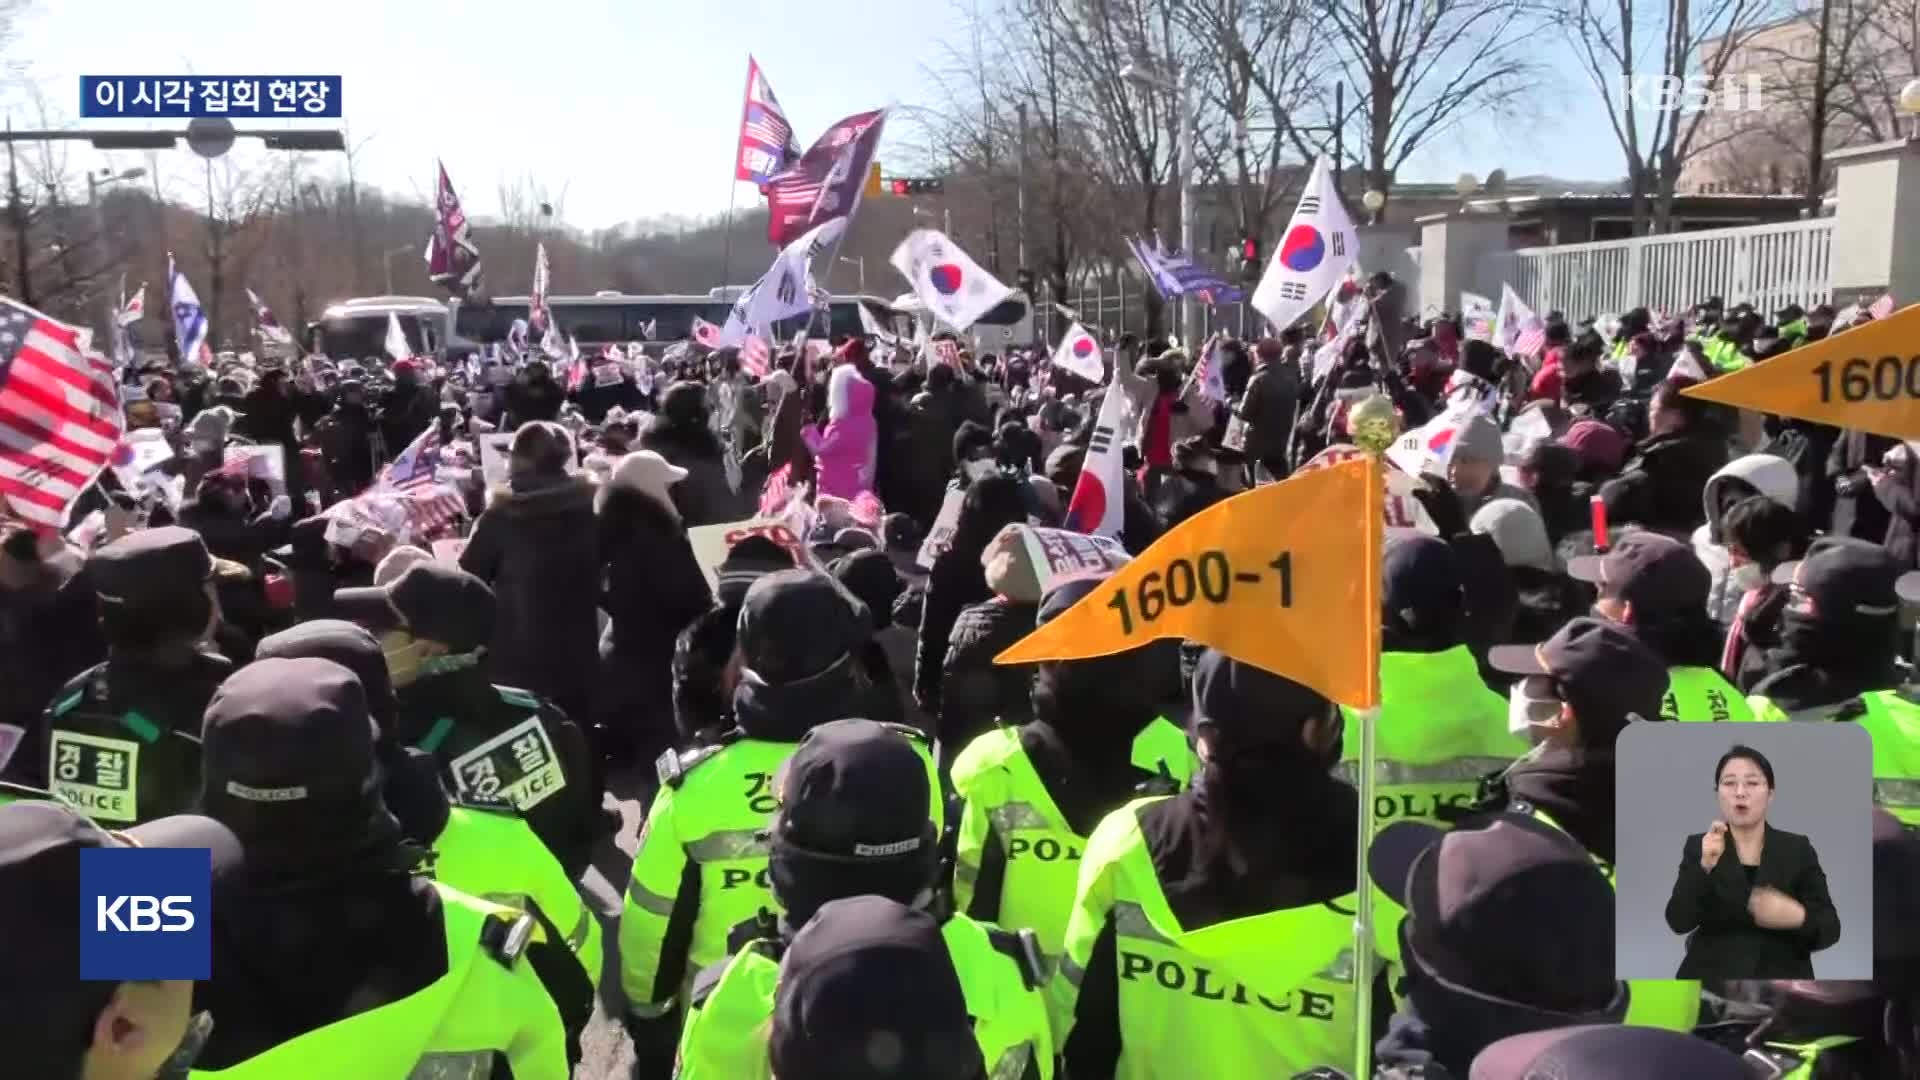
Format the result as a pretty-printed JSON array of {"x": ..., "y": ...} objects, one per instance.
[
  {"x": 754, "y": 356},
  {"x": 132, "y": 308},
  {"x": 777, "y": 492},
  {"x": 766, "y": 138},
  {"x": 453, "y": 260},
  {"x": 416, "y": 465},
  {"x": 1530, "y": 341},
  {"x": 60, "y": 419},
  {"x": 269, "y": 327},
  {"x": 826, "y": 182},
  {"x": 1882, "y": 307},
  {"x": 537, "y": 315}
]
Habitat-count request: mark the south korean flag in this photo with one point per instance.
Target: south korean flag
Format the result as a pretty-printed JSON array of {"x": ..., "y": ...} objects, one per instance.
[{"x": 1313, "y": 255}]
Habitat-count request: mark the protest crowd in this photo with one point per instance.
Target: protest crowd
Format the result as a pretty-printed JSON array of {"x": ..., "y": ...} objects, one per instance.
[{"x": 394, "y": 637}]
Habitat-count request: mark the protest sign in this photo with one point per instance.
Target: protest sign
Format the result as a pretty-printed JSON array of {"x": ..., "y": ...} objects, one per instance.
[
  {"x": 1058, "y": 554},
  {"x": 1285, "y": 577},
  {"x": 941, "y": 535},
  {"x": 712, "y": 542}
]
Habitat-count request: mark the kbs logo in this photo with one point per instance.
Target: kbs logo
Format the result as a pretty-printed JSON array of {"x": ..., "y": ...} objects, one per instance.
[
  {"x": 1694, "y": 93},
  {"x": 146, "y": 913}
]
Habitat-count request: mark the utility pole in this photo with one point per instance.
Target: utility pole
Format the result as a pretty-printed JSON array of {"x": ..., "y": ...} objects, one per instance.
[
  {"x": 17, "y": 218},
  {"x": 1020, "y": 109}
]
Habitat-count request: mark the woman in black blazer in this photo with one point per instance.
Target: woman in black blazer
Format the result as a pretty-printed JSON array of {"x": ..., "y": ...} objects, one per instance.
[{"x": 1752, "y": 897}]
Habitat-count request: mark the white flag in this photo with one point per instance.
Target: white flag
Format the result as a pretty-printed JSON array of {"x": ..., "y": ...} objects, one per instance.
[
  {"x": 1098, "y": 506},
  {"x": 785, "y": 291},
  {"x": 946, "y": 279},
  {"x": 1080, "y": 354},
  {"x": 396, "y": 340},
  {"x": 1514, "y": 318},
  {"x": 1314, "y": 253},
  {"x": 189, "y": 319}
]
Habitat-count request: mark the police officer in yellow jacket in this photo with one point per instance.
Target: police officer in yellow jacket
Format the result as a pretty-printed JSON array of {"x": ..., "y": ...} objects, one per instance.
[
  {"x": 121, "y": 739},
  {"x": 1657, "y": 588},
  {"x": 332, "y": 956},
  {"x": 868, "y": 992},
  {"x": 853, "y": 821},
  {"x": 1578, "y": 690},
  {"x": 500, "y": 748},
  {"x": 1032, "y": 794},
  {"x": 701, "y": 865},
  {"x": 1211, "y": 931},
  {"x": 1838, "y": 659},
  {"x": 1480, "y": 962},
  {"x": 1439, "y": 728},
  {"x": 489, "y": 854},
  {"x": 52, "y": 1023}
]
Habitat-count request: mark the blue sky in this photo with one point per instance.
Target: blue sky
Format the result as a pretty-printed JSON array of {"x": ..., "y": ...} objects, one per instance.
[{"x": 633, "y": 105}]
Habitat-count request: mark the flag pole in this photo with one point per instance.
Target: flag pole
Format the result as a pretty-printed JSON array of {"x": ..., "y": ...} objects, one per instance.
[{"x": 726, "y": 256}]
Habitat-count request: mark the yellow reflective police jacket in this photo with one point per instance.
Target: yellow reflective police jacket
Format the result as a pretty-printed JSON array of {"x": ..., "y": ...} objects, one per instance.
[
  {"x": 702, "y": 862},
  {"x": 488, "y": 1004},
  {"x": 1703, "y": 694},
  {"x": 1439, "y": 730},
  {"x": 1892, "y": 720},
  {"x": 1010, "y": 819},
  {"x": 496, "y": 857},
  {"x": 1673, "y": 1004},
  {"x": 729, "y": 1012},
  {"x": 1266, "y": 995}
]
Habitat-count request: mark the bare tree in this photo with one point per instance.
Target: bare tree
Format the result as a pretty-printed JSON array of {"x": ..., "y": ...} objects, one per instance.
[
  {"x": 1275, "y": 62},
  {"x": 1614, "y": 40},
  {"x": 1420, "y": 67}
]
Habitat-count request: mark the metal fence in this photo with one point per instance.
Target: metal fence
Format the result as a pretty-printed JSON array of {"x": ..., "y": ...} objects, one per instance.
[{"x": 1769, "y": 266}]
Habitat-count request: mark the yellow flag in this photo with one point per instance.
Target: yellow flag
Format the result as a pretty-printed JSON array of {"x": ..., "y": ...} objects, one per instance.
[
  {"x": 1866, "y": 378},
  {"x": 1285, "y": 577}
]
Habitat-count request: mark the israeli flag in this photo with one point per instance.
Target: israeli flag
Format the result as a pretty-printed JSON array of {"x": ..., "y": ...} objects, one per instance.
[{"x": 189, "y": 318}]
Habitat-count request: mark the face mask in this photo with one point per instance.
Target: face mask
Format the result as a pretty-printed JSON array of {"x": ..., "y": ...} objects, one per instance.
[
  {"x": 1746, "y": 577},
  {"x": 985, "y": 467},
  {"x": 1524, "y": 713},
  {"x": 404, "y": 656}
]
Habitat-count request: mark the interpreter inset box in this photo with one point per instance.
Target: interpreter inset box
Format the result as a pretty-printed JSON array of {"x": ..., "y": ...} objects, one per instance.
[{"x": 1745, "y": 851}]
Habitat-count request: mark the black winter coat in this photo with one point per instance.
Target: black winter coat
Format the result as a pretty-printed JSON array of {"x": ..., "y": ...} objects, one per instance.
[
  {"x": 651, "y": 589},
  {"x": 538, "y": 550},
  {"x": 974, "y": 692},
  {"x": 704, "y": 497},
  {"x": 1661, "y": 484}
]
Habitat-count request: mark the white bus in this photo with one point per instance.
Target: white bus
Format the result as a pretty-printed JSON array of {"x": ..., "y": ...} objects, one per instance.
[
  {"x": 609, "y": 317},
  {"x": 357, "y": 328}
]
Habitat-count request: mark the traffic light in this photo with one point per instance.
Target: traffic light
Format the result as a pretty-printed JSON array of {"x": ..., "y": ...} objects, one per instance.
[
  {"x": 1023, "y": 280},
  {"x": 906, "y": 186}
]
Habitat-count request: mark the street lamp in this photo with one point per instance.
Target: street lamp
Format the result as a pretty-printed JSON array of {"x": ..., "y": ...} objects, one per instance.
[
  {"x": 386, "y": 258},
  {"x": 1910, "y": 104},
  {"x": 1373, "y": 200},
  {"x": 859, "y": 261},
  {"x": 96, "y": 181},
  {"x": 1141, "y": 74}
]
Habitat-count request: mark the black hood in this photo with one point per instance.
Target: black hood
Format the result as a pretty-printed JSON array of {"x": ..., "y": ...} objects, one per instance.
[
  {"x": 1575, "y": 788},
  {"x": 679, "y": 442},
  {"x": 1824, "y": 663},
  {"x": 784, "y": 712},
  {"x": 563, "y": 496}
]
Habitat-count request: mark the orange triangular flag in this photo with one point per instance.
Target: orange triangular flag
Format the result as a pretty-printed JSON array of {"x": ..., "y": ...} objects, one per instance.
[
  {"x": 1866, "y": 378},
  {"x": 1285, "y": 577}
]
